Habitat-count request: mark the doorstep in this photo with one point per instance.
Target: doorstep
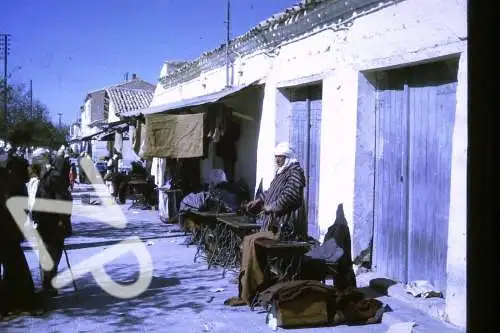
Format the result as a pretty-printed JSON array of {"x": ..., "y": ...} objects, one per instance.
[{"x": 397, "y": 297}]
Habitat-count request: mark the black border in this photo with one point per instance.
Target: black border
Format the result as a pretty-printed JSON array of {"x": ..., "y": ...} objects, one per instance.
[{"x": 483, "y": 192}]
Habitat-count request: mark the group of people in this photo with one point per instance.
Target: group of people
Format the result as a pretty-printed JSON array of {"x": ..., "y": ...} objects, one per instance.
[{"x": 46, "y": 178}]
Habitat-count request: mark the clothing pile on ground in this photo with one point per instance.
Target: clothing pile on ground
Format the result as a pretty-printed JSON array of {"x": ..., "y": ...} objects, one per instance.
[{"x": 299, "y": 303}]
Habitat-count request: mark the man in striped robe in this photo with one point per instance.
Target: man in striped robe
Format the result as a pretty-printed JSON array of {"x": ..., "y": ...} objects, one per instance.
[{"x": 282, "y": 217}]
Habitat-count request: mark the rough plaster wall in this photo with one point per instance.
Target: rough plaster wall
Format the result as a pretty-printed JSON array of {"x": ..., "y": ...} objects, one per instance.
[
  {"x": 456, "y": 295},
  {"x": 283, "y": 117},
  {"x": 86, "y": 118},
  {"x": 405, "y": 32},
  {"x": 97, "y": 106},
  {"x": 364, "y": 170},
  {"x": 338, "y": 147},
  {"x": 267, "y": 135},
  {"x": 112, "y": 117}
]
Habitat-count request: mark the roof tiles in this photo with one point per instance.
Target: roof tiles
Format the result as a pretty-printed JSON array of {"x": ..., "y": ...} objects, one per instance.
[{"x": 130, "y": 99}]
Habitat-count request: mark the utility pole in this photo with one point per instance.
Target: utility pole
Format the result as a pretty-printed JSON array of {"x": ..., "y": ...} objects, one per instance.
[
  {"x": 60, "y": 116},
  {"x": 4, "y": 44},
  {"x": 31, "y": 99},
  {"x": 228, "y": 38}
]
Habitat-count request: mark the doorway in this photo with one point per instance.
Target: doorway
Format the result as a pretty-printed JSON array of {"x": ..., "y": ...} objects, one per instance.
[
  {"x": 414, "y": 117},
  {"x": 305, "y": 138}
]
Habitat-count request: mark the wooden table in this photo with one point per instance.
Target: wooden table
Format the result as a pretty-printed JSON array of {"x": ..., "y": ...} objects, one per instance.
[
  {"x": 231, "y": 231},
  {"x": 136, "y": 187},
  {"x": 286, "y": 256},
  {"x": 204, "y": 226}
]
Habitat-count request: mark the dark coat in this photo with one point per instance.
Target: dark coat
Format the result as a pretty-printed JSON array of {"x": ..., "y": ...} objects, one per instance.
[
  {"x": 9, "y": 231},
  {"x": 51, "y": 187},
  {"x": 63, "y": 165},
  {"x": 285, "y": 198}
]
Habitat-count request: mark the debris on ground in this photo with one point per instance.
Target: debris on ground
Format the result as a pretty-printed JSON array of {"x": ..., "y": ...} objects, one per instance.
[
  {"x": 423, "y": 289},
  {"x": 216, "y": 290}
]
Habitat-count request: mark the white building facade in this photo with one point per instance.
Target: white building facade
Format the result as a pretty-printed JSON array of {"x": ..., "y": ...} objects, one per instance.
[
  {"x": 102, "y": 108},
  {"x": 375, "y": 101}
]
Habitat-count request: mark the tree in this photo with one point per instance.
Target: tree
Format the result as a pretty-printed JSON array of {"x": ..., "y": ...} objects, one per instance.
[{"x": 28, "y": 124}]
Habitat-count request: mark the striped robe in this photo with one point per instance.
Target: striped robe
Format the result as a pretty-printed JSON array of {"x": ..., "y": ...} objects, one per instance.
[{"x": 285, "y": 198}]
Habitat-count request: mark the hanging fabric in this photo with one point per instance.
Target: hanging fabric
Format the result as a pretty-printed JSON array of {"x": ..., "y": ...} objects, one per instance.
[
  {"x": 143, "y": 139},
  {"x": 174, "y": 136},
  {"x": 118, "y": 141}
]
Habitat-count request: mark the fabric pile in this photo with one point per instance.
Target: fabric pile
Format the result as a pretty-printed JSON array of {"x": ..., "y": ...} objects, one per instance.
[{"x": 343, "y": 307}]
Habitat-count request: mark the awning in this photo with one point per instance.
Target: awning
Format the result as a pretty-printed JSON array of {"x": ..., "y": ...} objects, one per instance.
[
  {"x": 110, "y": 129},
  {"x": 109, "y": 134},
  {"x": 200, "y": 100},
  {"x": 91, "y": 136}
]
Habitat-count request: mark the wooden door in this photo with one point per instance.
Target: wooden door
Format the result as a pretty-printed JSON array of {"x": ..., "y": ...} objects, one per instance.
[
  {"x": 432, "y": 104},
  {"x": 415, "y": 119},
  {"x": 305, "y": 137},
  {"x": 390, "y": 214}
]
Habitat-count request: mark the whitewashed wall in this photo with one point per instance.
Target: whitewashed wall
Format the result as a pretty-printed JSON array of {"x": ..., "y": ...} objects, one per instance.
[
  {"x": 401, "y": 34},
  {"x": 112, "y": 117}
]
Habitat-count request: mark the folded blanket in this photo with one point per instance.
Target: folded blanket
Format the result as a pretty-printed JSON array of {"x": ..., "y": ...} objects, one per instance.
[{"x": 329, "y": 252}]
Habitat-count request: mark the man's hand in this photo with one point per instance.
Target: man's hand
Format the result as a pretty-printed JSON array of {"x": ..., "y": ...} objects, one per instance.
[
  {"x": 267, "y": 209},
  {"x": 251, "y": 205}
]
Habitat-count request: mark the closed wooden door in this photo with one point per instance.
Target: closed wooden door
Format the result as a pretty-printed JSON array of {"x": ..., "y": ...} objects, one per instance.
[
  {"x": 391, "y": 227},
  {"x": 431, "y": 109},
  {"x": 415, "y": 119},
  {"x": 305, "y": 137}
]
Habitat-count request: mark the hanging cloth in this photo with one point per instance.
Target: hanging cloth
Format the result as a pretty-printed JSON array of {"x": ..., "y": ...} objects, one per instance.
[{"x": 118, "y": 142}]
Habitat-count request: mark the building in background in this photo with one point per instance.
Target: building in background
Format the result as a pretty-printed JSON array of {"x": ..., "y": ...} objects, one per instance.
[{"x": 101, "y": 107}]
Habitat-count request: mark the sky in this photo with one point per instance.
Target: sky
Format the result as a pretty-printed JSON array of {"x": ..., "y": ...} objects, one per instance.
[{"x": 68, "y": 48}]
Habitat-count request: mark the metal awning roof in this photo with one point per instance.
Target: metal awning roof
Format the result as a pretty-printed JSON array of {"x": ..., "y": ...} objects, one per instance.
[
  {"x": 195, "y": 101},
  {"x": 110, "y": 129},
  {"x": 109, "y": 134}
]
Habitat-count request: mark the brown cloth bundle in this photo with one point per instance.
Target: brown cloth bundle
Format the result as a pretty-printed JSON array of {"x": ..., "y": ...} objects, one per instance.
[{"x": 349, "y": 306}]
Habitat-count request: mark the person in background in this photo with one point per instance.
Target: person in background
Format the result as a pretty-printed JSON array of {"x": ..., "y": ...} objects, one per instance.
[
  {"x": 63, "y": 166},
  {"x": 72, "y": 176},
  {"x": 282, "y": 217},
  {"x": 52, "y": 227},
  {"x": 17, "y": 290}
]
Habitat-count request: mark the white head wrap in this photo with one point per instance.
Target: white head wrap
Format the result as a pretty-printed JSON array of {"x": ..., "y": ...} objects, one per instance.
[{"x": 284, "y": 149}]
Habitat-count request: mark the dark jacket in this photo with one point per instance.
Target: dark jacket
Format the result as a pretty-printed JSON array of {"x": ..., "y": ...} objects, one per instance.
[
  {"x": 9, "y": 231},
  {"x": 63, "y": 166},
  {"x": 285, "y": 198},
  {"x": 51, "y": 187}
]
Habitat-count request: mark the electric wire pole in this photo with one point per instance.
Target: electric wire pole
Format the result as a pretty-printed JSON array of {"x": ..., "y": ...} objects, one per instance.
[
  {"x": 60, "y": 115},
  {"x": 228, "y": 38},
  {"x": 31, "y": 99},
  {"x": 4, "y": 46}
]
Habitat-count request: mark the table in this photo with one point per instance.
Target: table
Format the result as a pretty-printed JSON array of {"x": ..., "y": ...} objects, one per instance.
[
  {"x": 286, "y": 256},
  {"x": 231, "y": 231},
  {"x": 137, "y": 188},
  {"x": 204, "y": 223}
]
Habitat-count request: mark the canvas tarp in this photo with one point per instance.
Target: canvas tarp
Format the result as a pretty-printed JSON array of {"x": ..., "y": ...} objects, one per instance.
[{"x": 174, "y": 136}]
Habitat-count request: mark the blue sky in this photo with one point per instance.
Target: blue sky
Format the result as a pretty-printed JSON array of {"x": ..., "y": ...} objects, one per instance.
[{"x": 70, "y": 47}]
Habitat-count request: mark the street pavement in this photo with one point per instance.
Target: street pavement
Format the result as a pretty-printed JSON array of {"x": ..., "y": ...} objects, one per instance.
[{"x": 183, "y": 296}]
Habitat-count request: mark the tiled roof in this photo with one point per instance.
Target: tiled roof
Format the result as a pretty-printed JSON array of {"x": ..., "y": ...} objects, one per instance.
[
  {"x": 135, "y": 84},
  {"x": 131, "y": 84},
  {"x": 126, "y": 99}
]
